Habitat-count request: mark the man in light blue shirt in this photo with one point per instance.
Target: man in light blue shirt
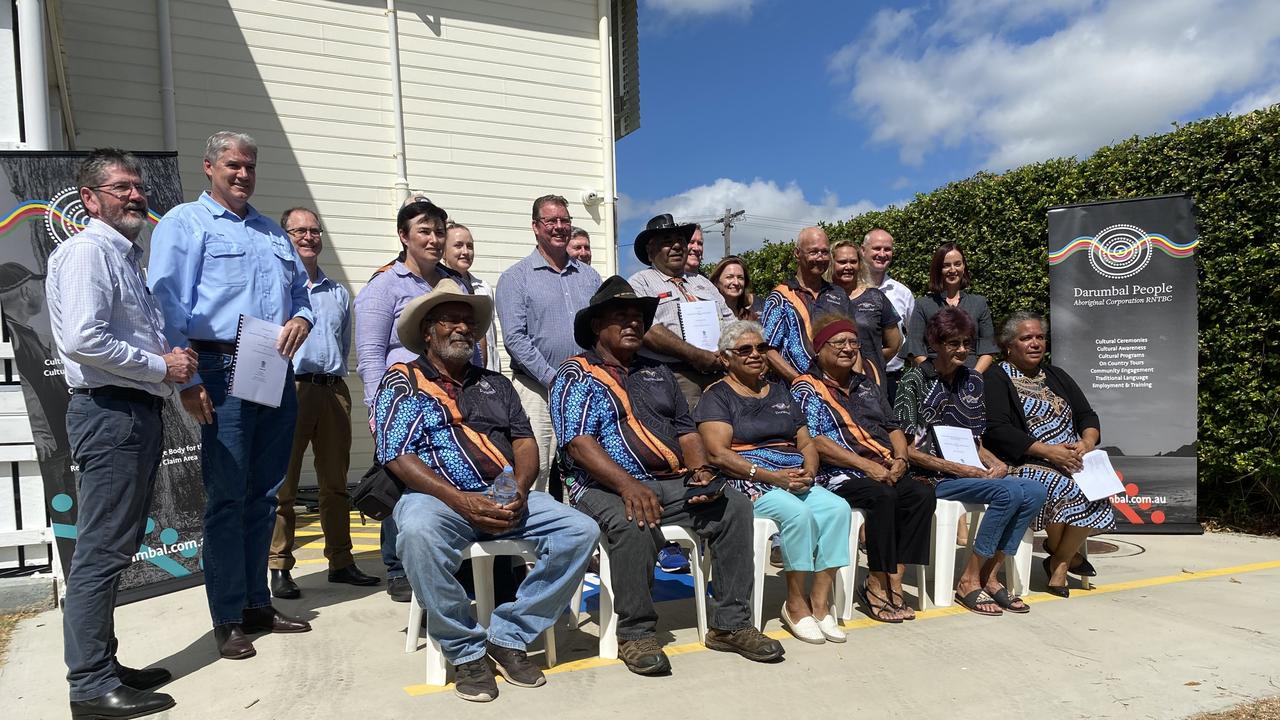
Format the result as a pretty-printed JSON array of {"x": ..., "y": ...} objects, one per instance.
[
  {"x": 109, "y": 334},
  {"x": 537, "y": 297},
  {"x": 324, "y": 418},
  {"x": 212, "y": 261}
]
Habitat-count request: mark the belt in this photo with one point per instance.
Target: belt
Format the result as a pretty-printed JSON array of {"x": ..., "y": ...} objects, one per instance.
[
  {"x": 115, "y": 392},
  {"x": 319, "y": 378},
  {"x": 213, "y": 346}
]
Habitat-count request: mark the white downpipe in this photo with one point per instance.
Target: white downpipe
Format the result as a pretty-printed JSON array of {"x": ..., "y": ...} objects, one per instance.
[
  {"x": 397, "y": 104},
  {"x": 35, "y": 78},
  {"x": 609, "y": 206},
  {"x": 168, "y": 109}
]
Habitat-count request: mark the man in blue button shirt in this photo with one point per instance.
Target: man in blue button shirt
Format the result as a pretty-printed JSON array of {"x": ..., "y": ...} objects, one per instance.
[
  {"x": 324, "y": 418},
  {"x": 212, "y": 261}
]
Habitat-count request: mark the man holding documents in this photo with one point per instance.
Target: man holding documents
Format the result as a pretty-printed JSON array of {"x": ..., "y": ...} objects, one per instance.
[
  {"x": 941, "y": 410},
  {"x": 1040, "y": 423},
  {"x": 109, "y": 335},
  {"x": 214, "y": 261},
  {"x": 690, "y": 312}
]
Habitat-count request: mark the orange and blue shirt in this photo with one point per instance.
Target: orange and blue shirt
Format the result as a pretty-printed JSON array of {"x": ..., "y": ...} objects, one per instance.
[{"x": 788, "y": 316}]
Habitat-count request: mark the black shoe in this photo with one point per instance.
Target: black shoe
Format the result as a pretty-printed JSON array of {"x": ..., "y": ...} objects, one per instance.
[
  {"x": 644, "y": 656},
  {"x": 233, "y": 644},
  {"x": 474, "y": 681},
  {"x": 1061, "y": 591},
  {"x": 123, "y": 702},
  {"x": 270, "y": 620},
  {"x": 351, "y": 575},
  {"x": 1084, "y": 568},
  {"x": 143, "y": 679},
  {"x": 399, "y": 590},
  {"x": 514, "y": 665},
  {"x": 283, "y": 586}
]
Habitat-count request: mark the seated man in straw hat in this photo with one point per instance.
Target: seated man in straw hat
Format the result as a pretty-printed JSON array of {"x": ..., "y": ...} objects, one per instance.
[{"x": 447, "y": 429}]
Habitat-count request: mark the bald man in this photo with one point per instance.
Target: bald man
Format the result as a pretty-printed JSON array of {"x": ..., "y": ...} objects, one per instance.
[
  {"x": 791, "y": 307},
  {"x": 877, "y": 255}
]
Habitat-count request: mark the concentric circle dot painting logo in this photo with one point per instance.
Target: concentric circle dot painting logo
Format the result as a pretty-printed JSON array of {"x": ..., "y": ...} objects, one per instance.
[
  {"x": 66, "y": 215},
  {"x": 1120, "y": 251}
]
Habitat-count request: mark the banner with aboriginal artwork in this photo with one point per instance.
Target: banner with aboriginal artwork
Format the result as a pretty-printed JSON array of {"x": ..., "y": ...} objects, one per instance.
[
  {"x": 39, "y": 208},
  {"x": 1122, "y": 320}
]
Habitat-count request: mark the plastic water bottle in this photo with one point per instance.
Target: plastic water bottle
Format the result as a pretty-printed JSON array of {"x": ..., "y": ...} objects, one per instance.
[{"x": 504, "y": 488}]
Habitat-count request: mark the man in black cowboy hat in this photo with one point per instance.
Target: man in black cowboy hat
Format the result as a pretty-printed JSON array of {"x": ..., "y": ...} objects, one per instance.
[
  {"x": 635, "y": 461},
  {"x": 664, "y": 246}
]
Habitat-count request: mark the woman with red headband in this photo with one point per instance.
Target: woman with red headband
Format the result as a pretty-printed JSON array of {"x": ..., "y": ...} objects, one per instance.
[{"x": 864, "y": 461}]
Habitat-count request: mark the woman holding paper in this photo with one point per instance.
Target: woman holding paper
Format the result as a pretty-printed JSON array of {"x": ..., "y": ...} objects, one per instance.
[
  {"x": 941, "y": 408},
  {"x": 1040, "y": 423},
  {"x": 755, "y": 434}
]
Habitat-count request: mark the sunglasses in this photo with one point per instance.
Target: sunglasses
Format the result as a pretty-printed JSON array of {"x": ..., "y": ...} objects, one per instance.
[{"x": 747, "y": 350}]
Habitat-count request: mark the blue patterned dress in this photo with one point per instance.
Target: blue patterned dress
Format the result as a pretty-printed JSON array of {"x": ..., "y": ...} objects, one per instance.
[{"x": 1049, "y": 421}]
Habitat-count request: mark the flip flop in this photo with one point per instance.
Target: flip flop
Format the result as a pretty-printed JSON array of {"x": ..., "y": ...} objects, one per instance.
[
  {"x": 974, "y": 599},
  {"x": 1012, "y": 603}
]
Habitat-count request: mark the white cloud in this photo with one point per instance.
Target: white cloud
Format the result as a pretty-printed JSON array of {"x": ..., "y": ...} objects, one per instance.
[
  {"x": 1259, "y": 99},
  {"x": 773, "y": 212},
  {"x": 1095, "y": 72},
  {"x": 677, "y": 8}
]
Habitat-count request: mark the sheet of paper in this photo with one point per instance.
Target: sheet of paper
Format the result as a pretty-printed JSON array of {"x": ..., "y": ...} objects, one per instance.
[
  {"x": 700, "y": 324},
  {"x": 260, "y": 369},
  {"x": 1098, "y": 480},
  {"x": 957, "y": 445}
]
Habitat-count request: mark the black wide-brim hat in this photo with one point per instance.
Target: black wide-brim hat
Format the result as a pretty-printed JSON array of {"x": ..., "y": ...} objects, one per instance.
[
  {"x": 614, "y": 291},
  {"x": 657, "y": 226}
]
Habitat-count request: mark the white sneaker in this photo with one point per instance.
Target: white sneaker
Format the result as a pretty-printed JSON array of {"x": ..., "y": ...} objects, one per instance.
[
  {"x": 805, "y": 629},
  {"x": 830, "y": 627}
]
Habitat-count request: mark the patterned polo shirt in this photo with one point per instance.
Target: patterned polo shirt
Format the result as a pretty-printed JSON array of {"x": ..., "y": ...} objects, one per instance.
[
  {"x": 462, "y": 432},
  {"x": 636, "y": 413},
  {"x": 788, "y": 317},
  {"x": 858, "y": 418},
  {"x": 925, "y": 399}
]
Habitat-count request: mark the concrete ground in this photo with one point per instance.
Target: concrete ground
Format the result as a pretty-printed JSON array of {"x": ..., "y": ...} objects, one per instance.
[{"x": 1174, "y": 626}]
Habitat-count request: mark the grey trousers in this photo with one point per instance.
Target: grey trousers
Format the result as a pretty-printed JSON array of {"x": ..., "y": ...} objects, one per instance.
[
  {"x": 116, "y": 443},
  {"x": 725, "y": 524}
]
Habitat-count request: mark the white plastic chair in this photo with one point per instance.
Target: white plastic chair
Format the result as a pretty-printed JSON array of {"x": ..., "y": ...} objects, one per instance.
[
  {"x": 847, "y": 576},
  {"x": 481, "y": 555},
  {"x": 843, "y": 590},
  {"x": 699, "y": 564},
  {"x": 762, "y": 530},
  {"x": 946, "y": 520}
]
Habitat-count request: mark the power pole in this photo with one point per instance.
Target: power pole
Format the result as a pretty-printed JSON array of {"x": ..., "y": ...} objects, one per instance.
[{"x": 727, "y": 220}]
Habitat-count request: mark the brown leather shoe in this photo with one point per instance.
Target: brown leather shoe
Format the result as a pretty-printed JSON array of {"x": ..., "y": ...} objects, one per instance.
[
  {"x": 233, "y": 644},
  {"x": 268, "y": 619}
]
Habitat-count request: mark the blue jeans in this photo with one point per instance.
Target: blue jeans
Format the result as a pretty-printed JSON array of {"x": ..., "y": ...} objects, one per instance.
[
  {"x": 431, "y": 540},
  {"x": 244, "y": 458},
  {"x": 813, "y": 527},
  {"x": 1012, "y": 503},
  {"x": 387, "y": 539},
  {"x": 116, "y": 443}
]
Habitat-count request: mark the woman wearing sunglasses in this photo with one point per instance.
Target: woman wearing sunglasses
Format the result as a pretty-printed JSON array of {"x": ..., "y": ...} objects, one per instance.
[{"x": 755, "y": 434}]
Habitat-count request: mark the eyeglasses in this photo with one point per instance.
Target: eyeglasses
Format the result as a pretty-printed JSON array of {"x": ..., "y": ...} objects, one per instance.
[
  {"x": 954, "y": 345},
  {"x": 122, "y": 190},
  {"x": 453, "y": 324},
  {"x": 554, "y": 221},
  {"x": 301, "y": 232},
  {"x": 846, "y": 343},
  {"x": 747, "y": 350}
]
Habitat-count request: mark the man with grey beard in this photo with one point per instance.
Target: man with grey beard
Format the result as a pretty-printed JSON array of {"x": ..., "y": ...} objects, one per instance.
[
  {"x": 447, "y": 429},
  {"x": 110, "y": 336}
]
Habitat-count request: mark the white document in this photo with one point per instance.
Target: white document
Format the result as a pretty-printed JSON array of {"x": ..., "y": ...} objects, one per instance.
[
  {"x": 1098, "y": 480},
  {"x": 957, "y": 445},
  {"x": 700, "y": 323},
  {"x": 259, "y": 371}
]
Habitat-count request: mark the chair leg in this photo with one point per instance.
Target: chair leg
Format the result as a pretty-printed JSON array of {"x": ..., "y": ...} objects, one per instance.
[
  {"x": 482, "y": 580},
  {"x": 413, "y": 629},
  {"x": 760, "y": 558},
  {"x": 608, "y": 619},
  {"x": 847, "y": 577},
  {"x": 1018, "y": 568},
  {"x": 1085, "y": 582},
  {"x": 946, "y": 521},
  {"x": 549, "y": 645},
  {"x": 437, "y": 666},
  {"x": 700, "y": 562}
]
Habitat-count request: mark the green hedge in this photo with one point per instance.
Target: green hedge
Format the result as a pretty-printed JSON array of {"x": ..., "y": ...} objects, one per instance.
[{"x": 1229, "y": 165}]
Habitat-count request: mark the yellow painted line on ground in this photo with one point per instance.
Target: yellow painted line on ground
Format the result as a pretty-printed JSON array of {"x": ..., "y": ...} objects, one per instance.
[
  {"x": 861, "y": 623},
  {"x": 312, "y": 535}
]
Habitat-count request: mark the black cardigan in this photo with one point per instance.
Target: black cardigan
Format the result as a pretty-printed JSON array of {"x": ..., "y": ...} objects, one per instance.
[{"x": 1006, "y": 433}]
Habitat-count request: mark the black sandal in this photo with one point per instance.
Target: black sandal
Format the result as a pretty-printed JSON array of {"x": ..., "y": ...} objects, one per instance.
[
  {"x": 1012, "y": 603},
  {"x": 900, "y": 604},
  {"x": 877, "y": 614},
  {"x": 976, "y": 598}
]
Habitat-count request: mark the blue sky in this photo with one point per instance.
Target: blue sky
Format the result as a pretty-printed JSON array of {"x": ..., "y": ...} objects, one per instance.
[{"x": 816, "y": 110}]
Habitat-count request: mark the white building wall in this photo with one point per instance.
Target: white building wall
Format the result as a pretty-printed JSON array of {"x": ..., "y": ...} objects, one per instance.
[{"x": 502, "y": 103}]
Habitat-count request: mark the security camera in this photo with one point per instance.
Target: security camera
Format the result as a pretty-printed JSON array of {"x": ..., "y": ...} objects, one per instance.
[{"x": 591, "y": 197}]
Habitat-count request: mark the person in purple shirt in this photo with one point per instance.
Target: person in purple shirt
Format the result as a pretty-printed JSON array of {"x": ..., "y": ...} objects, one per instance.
[
  {"x": 212, "y": 261},
  {"x": 421, "y": 225}
]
